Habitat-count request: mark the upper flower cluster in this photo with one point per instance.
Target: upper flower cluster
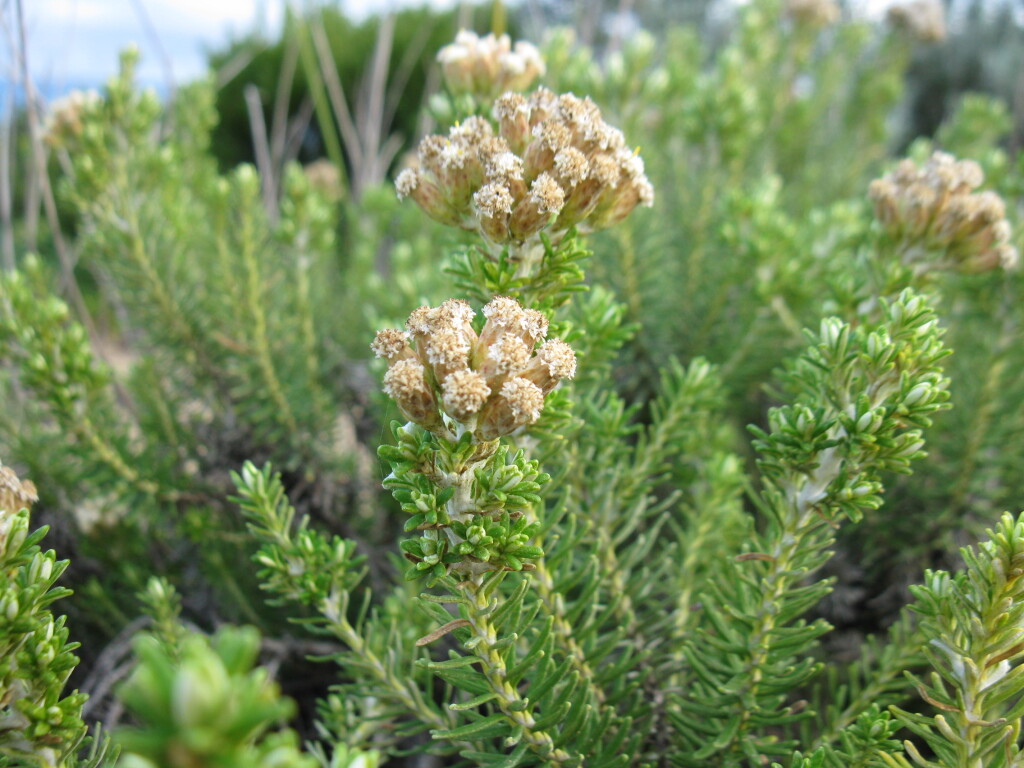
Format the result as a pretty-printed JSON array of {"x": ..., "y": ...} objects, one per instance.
[
  {"x": 924, "y": 19},
  {"x": 935, "y": 206},
  {"x": 489, "y": 66},
  {"x": 554, "y": 164},
  {"x": 813, "y": 13},
  {"x": 64, "y": 117},
  {"x": 491, "y": 384}
]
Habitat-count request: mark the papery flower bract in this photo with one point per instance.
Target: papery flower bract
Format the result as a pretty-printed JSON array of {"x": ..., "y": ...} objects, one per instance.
[
  {"x": 553, "y": 165},
  {"x": 491, "y": 384},
  {"x": 935, "y": 207}
]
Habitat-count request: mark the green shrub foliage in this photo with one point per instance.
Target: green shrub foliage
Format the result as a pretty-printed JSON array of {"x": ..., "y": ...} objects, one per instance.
[{"x": 533, "y": 526}]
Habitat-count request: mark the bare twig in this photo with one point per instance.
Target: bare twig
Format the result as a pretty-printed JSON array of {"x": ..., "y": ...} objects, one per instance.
[
  {"x": 386, "y": 154},
  {"x": 374, "y": 91},
  {"x": 6, "y": 175},
  {"x": 321, "y": 101},
  {"x": 234, "y": 66},
  {"x": 261, "y": 147},
  {"x": 1017, "y": 135},
  {"x": 64, "y": 255},
  {"x": 587, "y": 18},
  {"x": 426, "y": 123},
  {"x": 297, "y": 128},
  {"x": 403, "y": 72},
  {"x": 336, "y": 94},
  {"x": 282, "y": 97},
  {"x": 102, "y": 677}
]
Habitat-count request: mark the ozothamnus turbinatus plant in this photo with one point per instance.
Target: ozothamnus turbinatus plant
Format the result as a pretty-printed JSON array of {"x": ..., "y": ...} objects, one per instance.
[{"x": 599, "y": 569}]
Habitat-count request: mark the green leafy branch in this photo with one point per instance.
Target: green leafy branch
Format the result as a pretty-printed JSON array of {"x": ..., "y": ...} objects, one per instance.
[
  {"x": 543, "y": 281},
  {"x": 862, "y": 395},
  {"x": 974, "y": 621},
  {"x": 301, "y": 565},
  {"x": 40, "y": 724}
]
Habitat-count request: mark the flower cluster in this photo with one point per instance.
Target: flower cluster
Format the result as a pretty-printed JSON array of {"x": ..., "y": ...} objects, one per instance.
[
  {"x": 63, "y": 119},
  {"x": 934, "y": 207},
  {"x": 441, "y": 371},
  {"x": 812, "y": 13},
  {"x": 15, "y": 494},
  {"x": 325, "y": 178},
  {"x": 553, "y": 164},
  {"x": 489, "y": 66},
  {"x": 924, "y": 19}
]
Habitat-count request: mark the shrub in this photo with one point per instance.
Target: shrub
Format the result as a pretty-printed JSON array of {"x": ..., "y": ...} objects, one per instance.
[{"x": 594, "y": 565}]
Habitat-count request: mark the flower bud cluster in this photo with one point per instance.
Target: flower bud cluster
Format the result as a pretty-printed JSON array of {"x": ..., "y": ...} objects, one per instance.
[
  {"x": 553, "y": 164},
  {"x": 489, "y": 66},
  {"x": 64, "y": 118},
  {"x": 935, "y": 206},
  {"x": 325, "y": 178},
  {"x": 812, "y": 13},
  {"x": 923, "y": 19},
  {"x": 15, "y": 494},
  {"x": 489, "y": 384}
]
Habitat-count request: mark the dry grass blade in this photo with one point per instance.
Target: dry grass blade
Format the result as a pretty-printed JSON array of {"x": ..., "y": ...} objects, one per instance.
[
  {"x": 261, "y": 147},
  {"x": 279, "y": 124},
  {"x": 40, "y": 180},
  {"x": 372, "y": 98},
  {"x": 336, "y": 93},
  {"x": 6, "y": 176},
  {"x": 403, "y": 72}
]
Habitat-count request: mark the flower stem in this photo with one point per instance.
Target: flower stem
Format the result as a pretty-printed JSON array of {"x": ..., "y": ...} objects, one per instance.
[{"x": 478, "y": 590}]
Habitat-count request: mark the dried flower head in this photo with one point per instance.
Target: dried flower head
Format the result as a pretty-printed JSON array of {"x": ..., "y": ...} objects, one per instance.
[
  {"x": 939, "y": 219},
  {"x": 487, "y": 66},
  {"x": 391, "y": 344},
  {"x": 15, "y": 494},
  {"x": 492, "y": 383},
  {"x": 517, "y": 404},
  {"x": 554, "y": 164},
  {"x": 923, "y": 19},
  {"x": 812, "y": 13},
  {"x": 325, "y": 178},
  {"x": 64, "y": 117},
  {"x": 464, "y": 393},
  {"x": 406, "y": 384}
]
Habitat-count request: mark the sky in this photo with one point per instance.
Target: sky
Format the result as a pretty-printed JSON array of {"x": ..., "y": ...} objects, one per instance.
[{"x": 75, "y": 43}]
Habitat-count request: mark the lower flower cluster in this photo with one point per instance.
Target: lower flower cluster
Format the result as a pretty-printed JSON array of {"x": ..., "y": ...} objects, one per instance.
[
  {"x": 451, "y": 380},
  {"x": 462, "y": 390},
  {"x": 936, "y": 207}
]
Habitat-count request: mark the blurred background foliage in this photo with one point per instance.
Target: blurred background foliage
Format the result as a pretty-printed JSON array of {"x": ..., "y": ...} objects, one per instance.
[
  {"x": 983, "y": 54},
  {"x": 413, "y": 37}
]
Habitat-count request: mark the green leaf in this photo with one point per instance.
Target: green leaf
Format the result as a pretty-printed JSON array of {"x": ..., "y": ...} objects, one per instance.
[{"x": 493, "y": 726}]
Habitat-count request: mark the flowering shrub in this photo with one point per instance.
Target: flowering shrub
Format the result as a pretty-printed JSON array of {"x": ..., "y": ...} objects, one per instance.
[
  {"x": 566, "y": 551},
  {"x": 934, "y": 209}
]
